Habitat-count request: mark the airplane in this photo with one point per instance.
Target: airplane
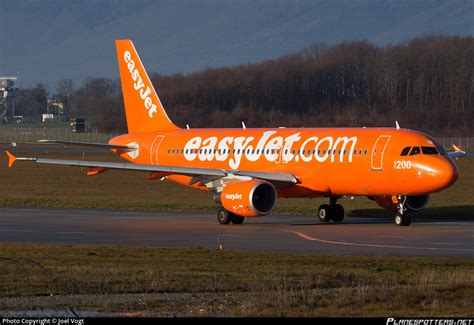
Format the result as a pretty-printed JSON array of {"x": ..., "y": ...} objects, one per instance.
[{"x": 249, "y": 169}]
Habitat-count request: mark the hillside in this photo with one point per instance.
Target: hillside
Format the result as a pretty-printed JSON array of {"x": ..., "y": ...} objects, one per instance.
[{"x": 53, "y": 39}]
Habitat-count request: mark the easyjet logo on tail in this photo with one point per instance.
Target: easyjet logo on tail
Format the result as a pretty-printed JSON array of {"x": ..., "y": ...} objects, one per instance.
[{"x": 139, "y": 85}]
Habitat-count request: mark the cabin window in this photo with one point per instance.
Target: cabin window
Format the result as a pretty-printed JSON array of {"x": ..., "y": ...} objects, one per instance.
[
  {"x": 429, "y": 150},
  {"x": 415, "y": 151},
  {"x": 405, "y": 151},
  {"x": 365, "y": 152}
]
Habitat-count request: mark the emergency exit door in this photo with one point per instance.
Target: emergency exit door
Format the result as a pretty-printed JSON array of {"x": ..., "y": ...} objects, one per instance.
[{"x": 378, "y": 151}]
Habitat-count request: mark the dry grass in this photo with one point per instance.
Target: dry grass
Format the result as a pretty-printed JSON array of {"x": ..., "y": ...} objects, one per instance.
[{"x": 185, "y": 281}]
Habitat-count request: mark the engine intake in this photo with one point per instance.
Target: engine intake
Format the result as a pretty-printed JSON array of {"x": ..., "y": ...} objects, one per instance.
[{"x": 249, "y": 198}]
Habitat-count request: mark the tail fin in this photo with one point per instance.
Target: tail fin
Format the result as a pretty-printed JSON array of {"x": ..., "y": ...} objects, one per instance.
[{"x": 143, "y": 108}]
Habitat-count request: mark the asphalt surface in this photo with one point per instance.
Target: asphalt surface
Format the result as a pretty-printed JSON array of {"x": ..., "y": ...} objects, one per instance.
[{"x": 356, "y": 235}]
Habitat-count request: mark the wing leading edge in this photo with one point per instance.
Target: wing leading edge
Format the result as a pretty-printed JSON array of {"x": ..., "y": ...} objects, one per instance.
[
  {"x": 92, "y": 144},
  {"x": 100, "y": 166}
]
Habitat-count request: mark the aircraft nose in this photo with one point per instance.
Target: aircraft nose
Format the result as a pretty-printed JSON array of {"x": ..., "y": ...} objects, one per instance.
[{"x": 446, "y": 173}]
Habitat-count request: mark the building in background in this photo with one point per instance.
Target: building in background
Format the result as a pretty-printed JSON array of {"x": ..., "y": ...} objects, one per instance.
[{"x": 7, "y": 100}]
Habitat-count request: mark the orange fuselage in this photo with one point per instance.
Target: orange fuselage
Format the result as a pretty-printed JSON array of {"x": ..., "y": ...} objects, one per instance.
[{"x": 325, "y": 161}]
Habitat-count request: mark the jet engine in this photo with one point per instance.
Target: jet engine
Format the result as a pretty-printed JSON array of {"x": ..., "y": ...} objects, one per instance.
[
  {"x": 412, "y": 203},
  {"x": 251, "y": 198}
]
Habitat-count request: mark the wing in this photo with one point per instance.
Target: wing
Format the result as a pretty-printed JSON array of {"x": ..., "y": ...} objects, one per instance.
[
  {"x": 457, "y": 153},
  {"x": 97, "y": 167},
  {"x": 92, "y": 144}
]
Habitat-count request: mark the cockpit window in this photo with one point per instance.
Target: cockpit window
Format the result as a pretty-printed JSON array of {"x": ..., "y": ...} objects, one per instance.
[
  {"x": 441, "y": 150},
  {"x": 405, "y": 151},
  {"x": 429, "y": 150},
  {"x": 415, "y": 151}
]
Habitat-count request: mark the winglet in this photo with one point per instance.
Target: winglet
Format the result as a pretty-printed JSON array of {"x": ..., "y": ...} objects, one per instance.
[
  {"x": 456, "y": 148},
  {"x": 11, "y": 159}
]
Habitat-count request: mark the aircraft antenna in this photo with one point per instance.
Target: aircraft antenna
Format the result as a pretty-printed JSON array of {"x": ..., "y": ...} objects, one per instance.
[
  {"x": 397, "y": 125},
  {"x": 187, "y": 127},
  {"x": 243, "y": 125}
]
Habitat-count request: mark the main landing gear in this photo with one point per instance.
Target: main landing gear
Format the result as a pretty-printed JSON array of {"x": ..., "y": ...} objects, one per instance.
[
  {"x": 331, "y": 211},
  {"x": 225, "y": 217},
  {"x": 402, "y": 218}
]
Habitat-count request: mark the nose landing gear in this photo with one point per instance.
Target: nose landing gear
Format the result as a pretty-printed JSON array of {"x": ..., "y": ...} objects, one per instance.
[
  {"x": 331, "y": 211},
  {"x": 402, "y": 218}
]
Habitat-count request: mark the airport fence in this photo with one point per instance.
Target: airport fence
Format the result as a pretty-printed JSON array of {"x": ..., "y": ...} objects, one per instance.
[
  {"x": 33, "y": 134},
  {"x": 465, "y": 143}
]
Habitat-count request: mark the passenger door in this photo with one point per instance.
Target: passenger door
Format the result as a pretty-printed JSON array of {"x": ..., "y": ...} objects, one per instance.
[{"x": 378, "y": 152}]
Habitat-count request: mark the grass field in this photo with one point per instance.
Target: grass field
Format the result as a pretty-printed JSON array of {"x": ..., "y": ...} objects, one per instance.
[
  {"x": 166, "y": 282},
  {"x": 34, "y": 185}
]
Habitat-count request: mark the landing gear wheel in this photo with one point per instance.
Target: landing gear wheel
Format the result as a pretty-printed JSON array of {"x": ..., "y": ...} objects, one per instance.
[
  {"x": 324, "y": 213},
  {"x": 223, "y": 216},
  {"x": 400, "y": 219},
  {"x": 407, "y": 220},
  {"x": 338, "y": 211},
  {"x": 237, "y": 220}
]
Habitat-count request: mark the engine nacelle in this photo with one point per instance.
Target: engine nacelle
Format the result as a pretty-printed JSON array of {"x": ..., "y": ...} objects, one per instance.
[
  {"x": 249, "y": 198},
  {"x": 413, "y": 203}
]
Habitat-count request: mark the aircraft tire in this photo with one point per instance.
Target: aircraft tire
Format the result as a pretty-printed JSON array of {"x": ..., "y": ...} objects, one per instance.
[
  {"x": 338, "y": 213},
  {"x": 237, "y": 220},
  {"x": 407, "y": 220},
  {"x": 400, "y": 219},
  {"x": 325, "y": 213},
  {"x": 223, "y": 216}
]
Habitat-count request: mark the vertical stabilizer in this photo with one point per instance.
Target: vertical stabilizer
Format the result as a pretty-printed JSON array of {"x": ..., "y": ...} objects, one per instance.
[{"x": 143, "y": 108}]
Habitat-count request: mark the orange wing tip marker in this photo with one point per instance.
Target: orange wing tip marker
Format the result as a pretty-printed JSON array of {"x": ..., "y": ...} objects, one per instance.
[
  {"x": 456, "y": 148},
  {"x": 11, "y": 159}
]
